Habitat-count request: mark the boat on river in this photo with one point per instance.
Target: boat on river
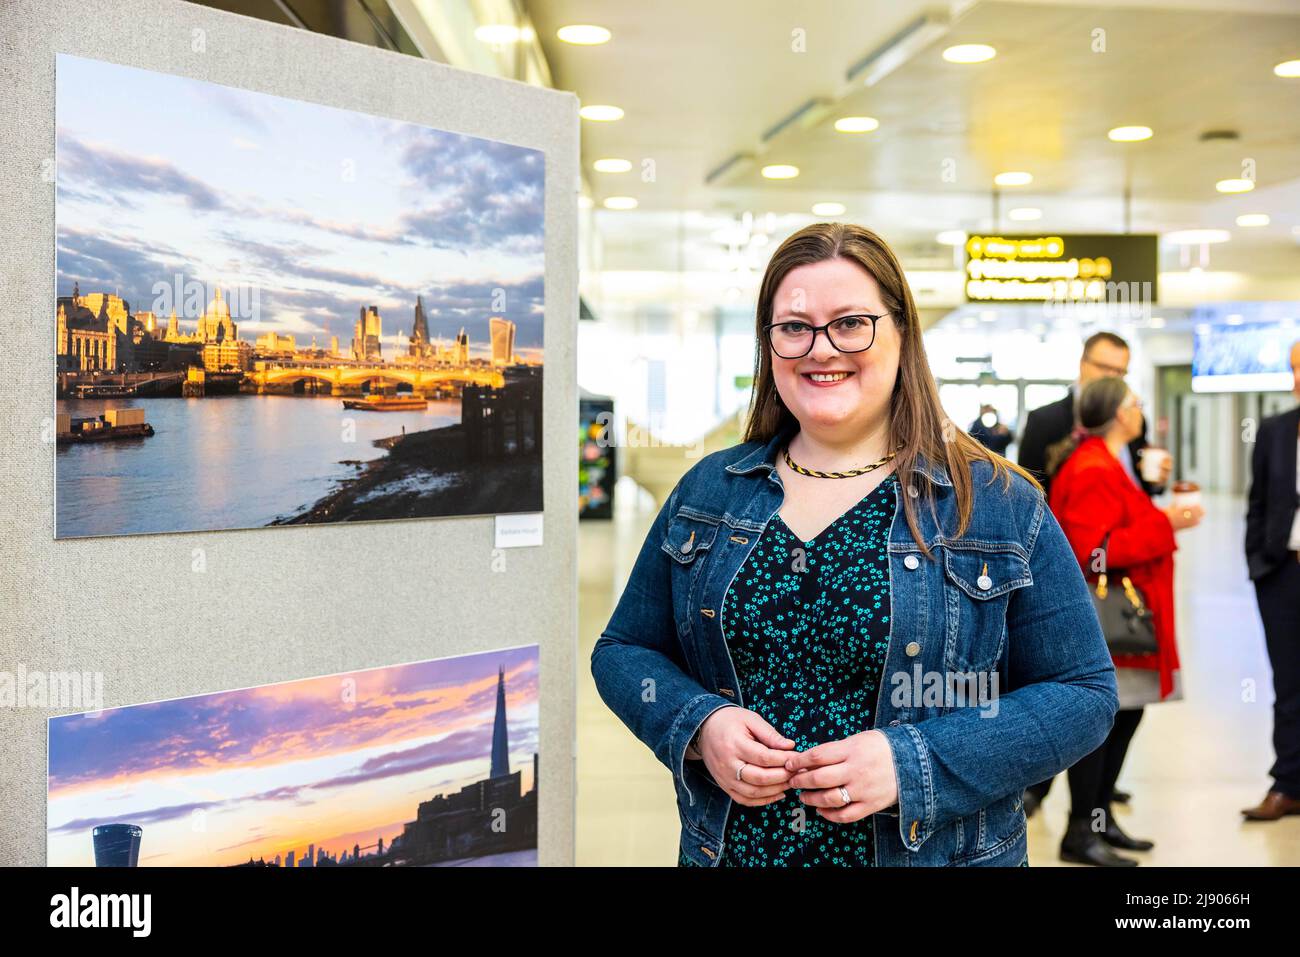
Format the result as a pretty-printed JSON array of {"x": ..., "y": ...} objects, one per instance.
[
  {"x": 113, "y": 424},
  {"x": 388, "y": 403}
]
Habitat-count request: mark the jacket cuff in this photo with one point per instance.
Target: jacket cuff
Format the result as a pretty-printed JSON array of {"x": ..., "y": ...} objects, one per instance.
[
  {"x": 915, "y": 784},
  {"x": 684, "y": 726}
]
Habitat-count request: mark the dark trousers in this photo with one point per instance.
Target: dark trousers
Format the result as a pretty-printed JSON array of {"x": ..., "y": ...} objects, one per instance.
[
  {"x": 1278, "y": 594},
  {"x": 1093, "y": 777}
]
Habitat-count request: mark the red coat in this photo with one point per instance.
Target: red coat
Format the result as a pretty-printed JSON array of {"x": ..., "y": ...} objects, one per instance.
[{"x": 1092, "y": 494}]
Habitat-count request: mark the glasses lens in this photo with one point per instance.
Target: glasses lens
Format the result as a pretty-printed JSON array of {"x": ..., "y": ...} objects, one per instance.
[
  {"x": 852, "y": 333},
  {"x": 790, "y": 340}
]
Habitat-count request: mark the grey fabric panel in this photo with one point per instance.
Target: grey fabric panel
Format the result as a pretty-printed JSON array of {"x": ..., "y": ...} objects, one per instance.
[
  {"x": 1139, "y": 687},
  {"x": 281, "y": 603}
]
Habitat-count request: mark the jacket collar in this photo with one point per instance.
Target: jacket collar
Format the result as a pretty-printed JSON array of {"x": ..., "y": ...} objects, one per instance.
[{"x": 764, "y": 458}]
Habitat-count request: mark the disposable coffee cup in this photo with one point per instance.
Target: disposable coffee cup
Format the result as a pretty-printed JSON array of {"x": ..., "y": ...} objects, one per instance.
[
  {"x": 1153, "y": 460},
  {"x": 1186, "y": 495}
]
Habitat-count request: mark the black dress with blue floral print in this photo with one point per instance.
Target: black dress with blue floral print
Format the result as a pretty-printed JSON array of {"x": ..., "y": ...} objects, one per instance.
[{"x": 807, "y": 624}]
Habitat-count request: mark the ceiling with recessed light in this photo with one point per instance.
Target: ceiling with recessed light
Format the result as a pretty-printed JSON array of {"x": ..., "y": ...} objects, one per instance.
[{"x": 702, "y": 87}]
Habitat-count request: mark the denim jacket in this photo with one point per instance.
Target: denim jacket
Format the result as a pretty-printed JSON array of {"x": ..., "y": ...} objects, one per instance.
[{"x": 1003, "y": 609}]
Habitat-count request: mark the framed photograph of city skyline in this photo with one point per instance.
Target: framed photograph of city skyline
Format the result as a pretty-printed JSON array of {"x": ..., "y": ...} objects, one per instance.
[
  {"x": 273, "y": 312},
  {"x": 432, "y": 763}
]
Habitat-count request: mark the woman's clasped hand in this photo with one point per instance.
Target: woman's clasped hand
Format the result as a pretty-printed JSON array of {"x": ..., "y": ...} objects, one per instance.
[{"x": 755, "y": 765}]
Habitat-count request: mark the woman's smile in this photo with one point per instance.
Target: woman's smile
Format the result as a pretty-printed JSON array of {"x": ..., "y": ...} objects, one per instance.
[{"x": 823, "y": 379}]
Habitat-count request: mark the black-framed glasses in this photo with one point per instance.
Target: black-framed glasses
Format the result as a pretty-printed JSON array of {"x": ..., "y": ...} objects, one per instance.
[
  {"x": 795, "y": 339},
  {"x": 1109, "y": 370}
]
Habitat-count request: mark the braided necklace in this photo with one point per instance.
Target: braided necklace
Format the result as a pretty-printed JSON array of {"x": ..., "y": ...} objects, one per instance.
[{"x": 839, "y": 475}]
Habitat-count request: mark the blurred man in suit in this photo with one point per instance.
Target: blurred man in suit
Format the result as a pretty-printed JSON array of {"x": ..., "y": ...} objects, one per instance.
[
  {"x": 1104, "y": 354},
  {"x": 1273, "y": 558}
]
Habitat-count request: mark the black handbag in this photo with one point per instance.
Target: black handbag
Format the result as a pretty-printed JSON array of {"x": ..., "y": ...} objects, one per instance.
[{"x": 1125, "y": 619}]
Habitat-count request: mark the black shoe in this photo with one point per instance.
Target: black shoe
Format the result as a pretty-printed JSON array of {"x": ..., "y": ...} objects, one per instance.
[
  {"x": 1115, "y": 837},
  {"x": 1031, "y": 802},
  {"x": 1083, "y": 845},
  {"x": 1120, "y": 797}
]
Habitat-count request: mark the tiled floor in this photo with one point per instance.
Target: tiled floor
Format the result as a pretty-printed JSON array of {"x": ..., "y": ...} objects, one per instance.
[{"x": 1193, "y": 764}]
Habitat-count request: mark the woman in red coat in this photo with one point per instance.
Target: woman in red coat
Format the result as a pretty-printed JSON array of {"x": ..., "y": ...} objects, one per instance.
[{"x": 1092, "y": 495}]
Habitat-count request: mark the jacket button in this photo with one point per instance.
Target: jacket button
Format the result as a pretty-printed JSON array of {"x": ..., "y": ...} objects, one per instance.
[
  {"x": 912, "y": 562},
  {"x": 984, "y": 582},
  {"x": 894, "y": 723},
  {"x": 912, "y": 836},
  {"x": 911, "y": 490},
  {"x": 913, "y": 649}
]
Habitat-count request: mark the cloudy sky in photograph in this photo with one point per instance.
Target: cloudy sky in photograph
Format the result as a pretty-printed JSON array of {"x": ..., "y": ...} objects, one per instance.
[
  {"x": 320, "y": 210},
  {"x": 332, "y": 761}
]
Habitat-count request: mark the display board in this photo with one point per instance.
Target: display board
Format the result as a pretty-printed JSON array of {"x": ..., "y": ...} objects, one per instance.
[
  {"x": 1243, "y": 346},
  {"x": 160, "y": 584},
  {"x": 1062, "y": 267}
]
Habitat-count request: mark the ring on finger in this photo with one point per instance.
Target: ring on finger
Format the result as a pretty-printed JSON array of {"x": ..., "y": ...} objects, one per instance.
[
  {"x": 739, "y": 771},
  {"x": 844, "y": 793}
]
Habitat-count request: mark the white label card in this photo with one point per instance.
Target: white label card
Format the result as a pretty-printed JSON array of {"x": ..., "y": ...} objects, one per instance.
[{"x": 519, "y": 531}]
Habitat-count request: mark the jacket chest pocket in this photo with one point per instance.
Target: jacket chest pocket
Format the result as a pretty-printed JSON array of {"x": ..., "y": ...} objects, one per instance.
[
  {"x": 978, "y": 583},
  {"x": 687, "y": 541}
]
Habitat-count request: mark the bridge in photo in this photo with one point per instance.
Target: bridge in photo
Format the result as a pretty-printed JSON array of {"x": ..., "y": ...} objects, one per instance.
[
  {"x": 350, "y": 379},
  {"x": 120, "y": 385}
]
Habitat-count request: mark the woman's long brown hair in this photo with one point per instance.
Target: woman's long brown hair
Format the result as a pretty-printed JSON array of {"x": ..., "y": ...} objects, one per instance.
[{"x": 918, "y": 426}]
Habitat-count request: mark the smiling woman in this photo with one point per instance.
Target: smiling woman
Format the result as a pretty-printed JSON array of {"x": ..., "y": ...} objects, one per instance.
[{"x": 777, "y": 594}]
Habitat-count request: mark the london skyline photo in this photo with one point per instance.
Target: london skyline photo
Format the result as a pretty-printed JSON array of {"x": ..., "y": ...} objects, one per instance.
[
  {"x": 276, "y": 312},
  {"x": 428, "y": 763}
]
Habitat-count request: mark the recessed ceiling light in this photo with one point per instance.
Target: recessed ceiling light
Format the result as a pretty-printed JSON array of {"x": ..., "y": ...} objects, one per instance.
[
  {"x": 1253, "y": 219},
  {"x": 1014, "y": 178},
  {"x": 611, "y": 165},
  {"x": 780, "y": 171},
  {"x": 497, "y": 33},
  {"x": 951, "y": 237},
  {"x": 828, "y": 209},
  {"x": 1288, "y": 68},
  {"x": 601, "y": 113},
  {"x": 1025, "y": 214},
  {"x": 1196, "y": 237},
  {"x": 583, "y": 34},
  {"x": 1129, "y": 134},
  {"x": 969, "y": 53},
  {"x": 1235, "y": 185},
  {"x": 620, "y": 202},
  {"x": 856, "y": 124}
]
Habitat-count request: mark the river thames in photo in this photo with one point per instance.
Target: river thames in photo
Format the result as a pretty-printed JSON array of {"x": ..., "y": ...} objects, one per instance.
[{"x": 237, "y": 461}]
